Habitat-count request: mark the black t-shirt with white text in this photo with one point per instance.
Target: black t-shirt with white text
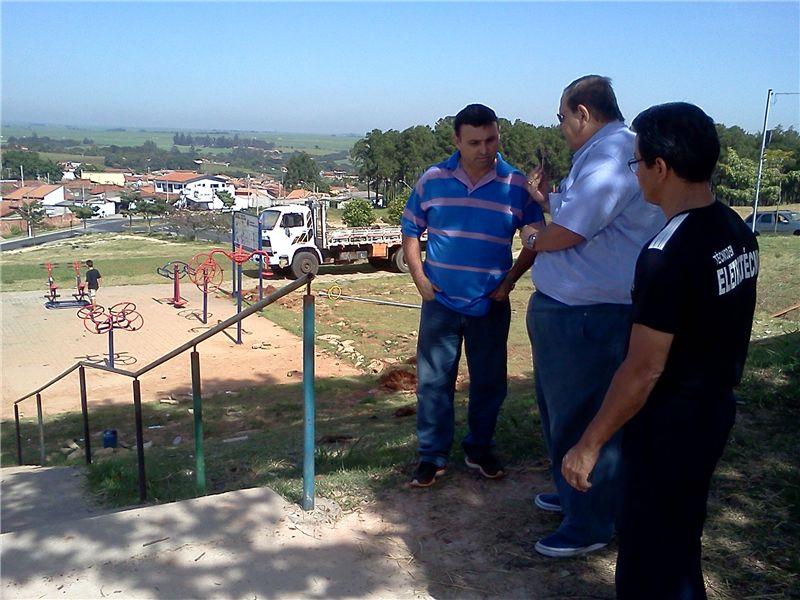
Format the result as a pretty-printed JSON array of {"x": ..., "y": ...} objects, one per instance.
[{"x": 697, "y": 280}]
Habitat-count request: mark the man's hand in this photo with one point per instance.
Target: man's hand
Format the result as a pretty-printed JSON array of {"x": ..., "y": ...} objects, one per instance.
[
  {"x": 539, "y": 188},
  {"x": 501, "y": 292},
  {"x": 577, "y": 465},
  {"x": 425, "y": 287}
]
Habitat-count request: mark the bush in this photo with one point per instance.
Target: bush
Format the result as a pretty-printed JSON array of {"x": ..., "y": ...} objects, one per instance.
[
  {"x": 396, "y": 207},
  {"x": 358, "y": 213}
]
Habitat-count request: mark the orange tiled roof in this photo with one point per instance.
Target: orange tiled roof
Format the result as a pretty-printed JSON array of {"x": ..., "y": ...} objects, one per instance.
[
  {"x": 32, "y": 193},
  {"x": 179, "y": 177},
  {"x": 299, "y": 194}
]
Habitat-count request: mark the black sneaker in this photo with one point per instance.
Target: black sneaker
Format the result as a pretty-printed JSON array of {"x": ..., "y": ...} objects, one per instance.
[
  {"x": 426, "y": 473},
  {"x": 488, "y": 465}
]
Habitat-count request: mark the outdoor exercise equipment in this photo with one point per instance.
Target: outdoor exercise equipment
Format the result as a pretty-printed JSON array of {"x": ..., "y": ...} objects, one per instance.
[
  {"x": 175, "y": 270},
  {"x": 52, "y": 291},
  {"x": 120, "y": 316},
  {"x": 207, "y": 275},
  {"x": 239, "y": 257},
  {"x": 335, "y": 293}
]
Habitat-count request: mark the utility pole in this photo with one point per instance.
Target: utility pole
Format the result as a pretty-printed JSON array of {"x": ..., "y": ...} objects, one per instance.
[
  {"x": 22, "y": 176},
  {"x": 761, "y": 160}
]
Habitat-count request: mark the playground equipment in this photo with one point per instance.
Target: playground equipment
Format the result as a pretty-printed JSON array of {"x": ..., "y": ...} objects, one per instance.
[
  {"x": 207, "y": 275},
  {"x": 335, "y": 293},
  {"x": 120, "y": 316},
  {"x": 209, "y": 270},
  {"x": 52, "y": 291},
  {"x": 175, "y": 270}
]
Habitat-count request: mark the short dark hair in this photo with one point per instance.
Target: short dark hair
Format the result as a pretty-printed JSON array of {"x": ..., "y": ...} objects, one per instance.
[
  {"x": 89, "y": 263},
  {"x": 682, "y": 135},
  {"x": 596, "y": 94},
  {"x": 476, "y": 115}
]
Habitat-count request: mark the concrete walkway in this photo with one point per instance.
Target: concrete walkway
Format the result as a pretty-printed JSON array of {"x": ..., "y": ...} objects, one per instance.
[{"x": 246, "y": 544}]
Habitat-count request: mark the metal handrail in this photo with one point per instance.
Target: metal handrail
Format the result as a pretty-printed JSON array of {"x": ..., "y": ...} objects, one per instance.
[{"x": 308, "y": 502}]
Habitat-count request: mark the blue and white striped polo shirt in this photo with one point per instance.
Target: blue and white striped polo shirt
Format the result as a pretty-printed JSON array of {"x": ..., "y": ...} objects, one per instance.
[{"x": 470, "y": 229}]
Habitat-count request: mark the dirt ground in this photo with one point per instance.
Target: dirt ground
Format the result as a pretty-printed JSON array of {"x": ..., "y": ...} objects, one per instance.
[{"x": 466, "y": 537}]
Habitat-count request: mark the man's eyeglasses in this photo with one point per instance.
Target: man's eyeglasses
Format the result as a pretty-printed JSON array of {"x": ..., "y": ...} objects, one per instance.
[
  {"x": 633, "y": 164},
  {"x": 560, "y": 117}
]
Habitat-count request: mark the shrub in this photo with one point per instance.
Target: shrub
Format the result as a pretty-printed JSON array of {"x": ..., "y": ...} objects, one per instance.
[
  {"x": 396, "y": 207},
  {"x": 358, "y": 213}
]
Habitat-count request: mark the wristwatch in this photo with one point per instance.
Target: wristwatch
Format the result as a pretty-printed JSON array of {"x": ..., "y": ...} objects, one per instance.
[{"x": 532, "y": 241}]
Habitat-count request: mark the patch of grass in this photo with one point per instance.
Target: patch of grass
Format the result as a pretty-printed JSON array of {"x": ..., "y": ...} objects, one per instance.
[
  {"x": 122, "y": 259},
  {"x": 754, "y": 508}
]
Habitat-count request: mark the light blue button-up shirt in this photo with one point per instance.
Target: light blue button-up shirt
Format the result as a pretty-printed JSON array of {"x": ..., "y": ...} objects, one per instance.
[{"x": 600, "y": 200}]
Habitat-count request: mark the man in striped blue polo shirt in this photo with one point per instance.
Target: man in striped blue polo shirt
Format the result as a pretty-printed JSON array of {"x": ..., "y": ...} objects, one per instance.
[{"x": 471, "y": 205}]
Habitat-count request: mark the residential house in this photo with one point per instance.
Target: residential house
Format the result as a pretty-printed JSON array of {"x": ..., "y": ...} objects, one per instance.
[
  {"x": 195, "y": 190},
  {"x": 51, "y": 197}
]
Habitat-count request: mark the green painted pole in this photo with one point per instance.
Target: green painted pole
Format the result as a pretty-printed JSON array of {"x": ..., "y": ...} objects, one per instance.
[
  {"x": 137, "y": 410},
  {"x": 87, "y": 443},
  {"x": 308, "y": 399},
  {"x": 200, "y": 459},
  {"x": 41, "y": 428},
  {"x": 19, "y": 437}
]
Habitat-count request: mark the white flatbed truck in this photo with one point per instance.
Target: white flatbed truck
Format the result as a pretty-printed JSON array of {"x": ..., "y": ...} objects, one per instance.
[{"x": 298, "y": 239}]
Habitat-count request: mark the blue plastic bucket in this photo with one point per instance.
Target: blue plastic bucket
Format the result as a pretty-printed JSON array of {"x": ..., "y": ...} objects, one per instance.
[{"x": 110, "y": 438}]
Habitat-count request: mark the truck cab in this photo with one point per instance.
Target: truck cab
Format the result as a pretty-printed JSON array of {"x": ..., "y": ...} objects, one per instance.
[{"x": 297, "y": 238}]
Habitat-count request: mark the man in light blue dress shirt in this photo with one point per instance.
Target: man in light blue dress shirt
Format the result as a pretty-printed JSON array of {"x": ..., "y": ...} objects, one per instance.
[{"x": 578, "y": 318}]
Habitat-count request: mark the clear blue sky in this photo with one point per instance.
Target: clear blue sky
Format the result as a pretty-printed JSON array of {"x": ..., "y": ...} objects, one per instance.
[{"x": 351, "y": 67}]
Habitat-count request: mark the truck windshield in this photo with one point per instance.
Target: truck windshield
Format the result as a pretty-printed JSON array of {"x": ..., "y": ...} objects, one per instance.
[{"x": 269, "y": 218}]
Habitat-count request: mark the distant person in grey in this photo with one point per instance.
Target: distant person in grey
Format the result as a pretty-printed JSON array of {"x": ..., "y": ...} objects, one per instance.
[{"x": 578, "y": 318}]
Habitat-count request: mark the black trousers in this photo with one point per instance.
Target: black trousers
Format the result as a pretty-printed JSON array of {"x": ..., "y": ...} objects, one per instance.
[{"x": 669, "y": 452}]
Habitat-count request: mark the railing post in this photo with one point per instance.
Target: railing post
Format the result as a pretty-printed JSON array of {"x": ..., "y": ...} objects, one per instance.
[
  {"x": 19, "y": 437},
  {"x": 200, "y": 461},
  {"x": 308, "y": 400},
  {"x": 87, "y": 444},
  {"x": 137, "y": 409},
  {"x": 41, "y": 428}
]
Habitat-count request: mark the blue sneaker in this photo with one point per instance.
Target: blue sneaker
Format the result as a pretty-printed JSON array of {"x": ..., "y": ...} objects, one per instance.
[
  {"x": 558, "y": 546},
  {"x": 548, "y": 502}
]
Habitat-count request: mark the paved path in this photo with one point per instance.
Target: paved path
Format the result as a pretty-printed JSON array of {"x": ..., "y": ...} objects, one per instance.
[
  {"x": 247, "y": 544},
  {"x": 39, "y": 344}
]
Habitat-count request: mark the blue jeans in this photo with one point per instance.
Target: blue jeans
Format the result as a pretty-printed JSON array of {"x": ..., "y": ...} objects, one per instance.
[
  {"x": 441, "y": 332},
  {"x": 576, "y": 351}
]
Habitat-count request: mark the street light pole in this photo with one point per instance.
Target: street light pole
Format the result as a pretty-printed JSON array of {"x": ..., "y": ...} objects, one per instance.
[{"x": 761, "y": 160}]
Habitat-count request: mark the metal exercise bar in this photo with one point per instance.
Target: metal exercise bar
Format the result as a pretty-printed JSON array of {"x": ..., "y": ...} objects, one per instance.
[{"x": 385, "y": 302}]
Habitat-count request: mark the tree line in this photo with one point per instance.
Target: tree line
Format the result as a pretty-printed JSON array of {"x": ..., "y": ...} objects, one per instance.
[{"x": 393, "y": 160}]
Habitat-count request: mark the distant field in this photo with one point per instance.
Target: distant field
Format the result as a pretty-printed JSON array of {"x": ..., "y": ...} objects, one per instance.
[{"x": 315, "y": 144}]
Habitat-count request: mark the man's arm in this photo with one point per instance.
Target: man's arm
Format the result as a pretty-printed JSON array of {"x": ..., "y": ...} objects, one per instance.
[
  {"x": 551, "y": 238},
  {"x": 522, "y": 264},
  {"x": 627, "y": 394},
  {"x": 413, "y": 253}
]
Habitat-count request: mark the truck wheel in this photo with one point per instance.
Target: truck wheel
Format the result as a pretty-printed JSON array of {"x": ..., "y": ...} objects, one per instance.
[
  {"x": 398, "y": 261},
  {"x": 304, "y": 263}
]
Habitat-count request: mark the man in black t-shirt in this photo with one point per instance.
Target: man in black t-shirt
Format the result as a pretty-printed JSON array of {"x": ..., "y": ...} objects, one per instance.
[
  {"x": 694, "y": 296},
  {"x": 92, "y": 281}
]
